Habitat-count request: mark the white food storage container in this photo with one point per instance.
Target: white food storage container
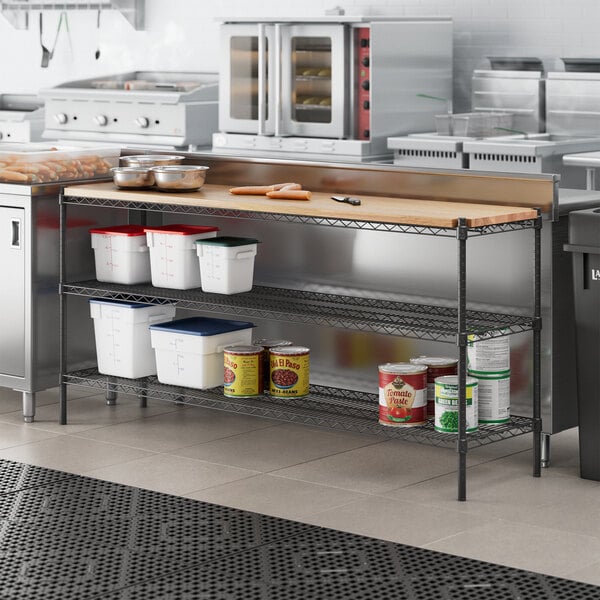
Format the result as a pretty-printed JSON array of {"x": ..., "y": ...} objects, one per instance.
[
  {"x": 42, "y": 162},
  {"x": 173, "y": 260},
  {"x": 189, "y": 352},
  {"x": 121, "y": 254},
  {"x": 122, "y": 335},
  {"x": 226, "y": 264}
]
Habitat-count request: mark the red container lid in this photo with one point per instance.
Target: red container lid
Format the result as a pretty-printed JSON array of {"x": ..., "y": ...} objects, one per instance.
[
  {"x": 129, "y": 230},
  {"x": 182, "y": 229}
]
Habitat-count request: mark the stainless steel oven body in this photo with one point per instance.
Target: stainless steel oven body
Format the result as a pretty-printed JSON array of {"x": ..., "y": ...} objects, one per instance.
[{"x": 337, "y": 86}]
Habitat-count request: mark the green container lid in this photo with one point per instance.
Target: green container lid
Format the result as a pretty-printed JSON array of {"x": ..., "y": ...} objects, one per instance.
[{"x": 229, "y": 241}]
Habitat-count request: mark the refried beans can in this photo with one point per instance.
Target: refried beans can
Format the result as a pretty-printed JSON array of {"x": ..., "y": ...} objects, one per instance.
[
  {"x": 437, "y": 366},
  {"x": 242, "y": 371},
  {"x": 402, "y": 394},
  {"x": 288, "y": 371},
  {"x": 267, "y": 344}
]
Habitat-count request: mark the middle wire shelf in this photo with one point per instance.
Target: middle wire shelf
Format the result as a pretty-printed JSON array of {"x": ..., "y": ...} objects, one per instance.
[{"x": 407, "y": 319}]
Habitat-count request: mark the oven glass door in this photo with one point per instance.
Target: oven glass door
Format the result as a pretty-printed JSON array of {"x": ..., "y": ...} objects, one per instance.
[
  {"x": 315, "y": 91},
  {"x": 246, "y": 95}
]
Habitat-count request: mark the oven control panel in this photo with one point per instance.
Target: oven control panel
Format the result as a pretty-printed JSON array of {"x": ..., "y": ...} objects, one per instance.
[
  {"x": 363, "y": 95},
  {"x": 178, "y": 124},
  {"x": 21, "y": 131}
]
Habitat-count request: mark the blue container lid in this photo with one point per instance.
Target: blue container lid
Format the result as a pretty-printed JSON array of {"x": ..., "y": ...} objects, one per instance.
[
  {"x": 122, "y": 303},
  {"x": 202, "y": 326}
]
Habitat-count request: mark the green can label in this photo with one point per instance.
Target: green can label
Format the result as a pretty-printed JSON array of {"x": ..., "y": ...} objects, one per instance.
[{"x": 446, "y": 404}]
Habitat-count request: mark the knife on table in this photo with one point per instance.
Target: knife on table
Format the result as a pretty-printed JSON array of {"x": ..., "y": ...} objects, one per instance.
[{"x": 347, "y": 200}]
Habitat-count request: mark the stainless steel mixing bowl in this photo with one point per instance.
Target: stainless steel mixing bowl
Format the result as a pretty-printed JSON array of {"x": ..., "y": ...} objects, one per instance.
[
  {"x": 179, "y": 178},
  {"x": 151, "y": 160},
  {"x": 133, "y": 177}
]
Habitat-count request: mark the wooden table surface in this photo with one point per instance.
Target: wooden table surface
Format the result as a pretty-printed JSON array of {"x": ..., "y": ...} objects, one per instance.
[{"x": 407, "y": 211}]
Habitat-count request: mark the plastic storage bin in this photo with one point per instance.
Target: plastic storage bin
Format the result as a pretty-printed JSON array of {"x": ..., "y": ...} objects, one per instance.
[
  {"x": 173, "y": 261},
  {"x": 226, "y": 264},
  {"x": 584, "y": 243},
  {"x": 121, "y": 254},
  {"x": 43, "y": 162},
  {"x": 122, "y": 336},
  {"x": 189, "y": 352}
]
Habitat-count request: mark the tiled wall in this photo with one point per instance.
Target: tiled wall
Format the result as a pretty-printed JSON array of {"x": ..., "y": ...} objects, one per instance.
[{"x": 183, "y": 34}]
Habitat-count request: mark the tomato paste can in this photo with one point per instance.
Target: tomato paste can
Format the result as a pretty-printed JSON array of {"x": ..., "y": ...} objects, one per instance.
[
  {"x": 493, "y": 396},
  {"x": 242, "y": 371},
  {"x": 267, "y": 344},
  {"x": 288, "y": 371},
  {"x": 488, "y": 354},
  {"x": 446, "y": 404},
  {"x": 437, "y": 366},
  {"x": 402, "y": 394}
]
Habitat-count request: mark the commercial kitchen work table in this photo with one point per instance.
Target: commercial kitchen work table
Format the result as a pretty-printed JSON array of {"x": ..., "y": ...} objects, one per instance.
[{"x": 453, "y": 219}]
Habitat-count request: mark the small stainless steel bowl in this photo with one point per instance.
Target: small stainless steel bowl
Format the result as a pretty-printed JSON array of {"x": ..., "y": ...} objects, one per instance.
[
  {"x": 133, "y": 177},
  {"x": 151, "y": 160},
  {"x": 179, "y": 178}
]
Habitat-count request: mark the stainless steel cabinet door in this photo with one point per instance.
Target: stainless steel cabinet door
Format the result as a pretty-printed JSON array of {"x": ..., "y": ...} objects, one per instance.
[{"x": 12, "y": 291}]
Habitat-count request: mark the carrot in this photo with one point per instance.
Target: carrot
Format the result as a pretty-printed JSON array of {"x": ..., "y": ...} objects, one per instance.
[
  {"x": 261, "y": 190},
  {"x": 285, "y": 194}
]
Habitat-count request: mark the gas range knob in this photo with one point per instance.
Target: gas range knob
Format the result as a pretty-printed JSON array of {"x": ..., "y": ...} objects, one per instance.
[
  {"x": 142, "y": 122},
  {"x": 61, "y": 118},
  {"x": 1, "y": 135},
  {"x": 101, "y": 120}
]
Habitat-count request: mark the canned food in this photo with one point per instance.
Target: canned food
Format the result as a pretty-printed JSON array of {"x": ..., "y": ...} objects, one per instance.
[
  {"x": 267, "y": 344},
  {"x": 289, "y": 368},
  {"x": 493, "y": 397},
  {"x": 437, "y": 366},
  {"x": 242, "y": 372},
  {"x": 446, "y": 404},
  {"x": 402, "y": 394},
  {"x": 485, "y": 354}
]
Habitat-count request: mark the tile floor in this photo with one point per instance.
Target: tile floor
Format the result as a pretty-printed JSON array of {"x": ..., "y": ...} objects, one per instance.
[{"x": 397, "y": 491}]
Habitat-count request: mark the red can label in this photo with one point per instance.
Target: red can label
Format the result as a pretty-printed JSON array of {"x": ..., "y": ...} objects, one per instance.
[{"x": 402, "y": 396}]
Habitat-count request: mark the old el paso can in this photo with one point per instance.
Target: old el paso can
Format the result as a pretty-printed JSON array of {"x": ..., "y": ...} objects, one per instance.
[
  {"x": 402, "y": 394},
  {"x": 267, "y": 344},
  {"x": 242, "y": 372},
  {"x": 437, "y": 366},
  {"x": 289, "y": 367}
]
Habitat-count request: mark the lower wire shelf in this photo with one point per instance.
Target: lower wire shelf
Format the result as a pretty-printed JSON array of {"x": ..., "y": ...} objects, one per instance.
[{"x": 330, "y": 407}]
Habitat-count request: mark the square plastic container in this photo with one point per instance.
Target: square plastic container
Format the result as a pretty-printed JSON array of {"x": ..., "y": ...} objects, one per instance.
[
  {"x": 43, "y": 162},
  {"x": 226, "y": 264},
  {"x": 122, "y": 333},
  {"x": 189, "y": 352},
  {"x": 121, "y": 254},
  {"x": 173, "y": 260}
]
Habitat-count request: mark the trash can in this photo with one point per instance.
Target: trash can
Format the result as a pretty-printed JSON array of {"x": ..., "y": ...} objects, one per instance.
[{"x": 584, "y": 243}]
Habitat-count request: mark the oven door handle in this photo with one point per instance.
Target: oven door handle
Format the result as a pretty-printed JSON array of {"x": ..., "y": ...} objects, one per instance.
[
  {"x": 262, "y": 77},
  {"x": 277, "y": 83}
]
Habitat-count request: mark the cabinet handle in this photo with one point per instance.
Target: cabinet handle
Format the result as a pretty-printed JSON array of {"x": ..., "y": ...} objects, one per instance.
[{"x": 16, "y": 233}]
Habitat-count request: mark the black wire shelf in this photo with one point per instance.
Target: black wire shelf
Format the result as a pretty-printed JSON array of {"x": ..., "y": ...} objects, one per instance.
[
  {"x": 406, "y": 319},
  {"x": 335, "y": 408},
  {"x": 290, "y": 218}
]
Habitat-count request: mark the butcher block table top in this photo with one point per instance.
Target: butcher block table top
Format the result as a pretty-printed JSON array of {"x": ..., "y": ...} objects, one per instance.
[{"x": 406, "y": 211}]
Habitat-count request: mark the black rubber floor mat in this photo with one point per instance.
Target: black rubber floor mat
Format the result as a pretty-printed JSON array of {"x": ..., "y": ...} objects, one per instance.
[
  {"x": 16, "y": 476},
  {"x": 85, "y": 539}
]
